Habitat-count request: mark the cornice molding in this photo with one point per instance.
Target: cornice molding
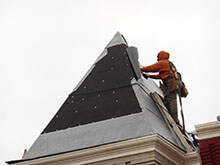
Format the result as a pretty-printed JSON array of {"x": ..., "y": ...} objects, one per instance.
[
  {"x": 208, "y": 130},
  {"x": 193, "y": 158}
]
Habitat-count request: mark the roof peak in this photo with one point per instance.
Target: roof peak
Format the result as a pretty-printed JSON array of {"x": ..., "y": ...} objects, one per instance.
[{"x": 118, "y": 39}]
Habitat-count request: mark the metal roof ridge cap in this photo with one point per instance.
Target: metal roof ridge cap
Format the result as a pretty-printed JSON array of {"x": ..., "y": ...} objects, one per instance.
[
  {"x": 118, "y": 39},
  {"x": 139, "y": 83},
  {"x": 143, "y": 82}
]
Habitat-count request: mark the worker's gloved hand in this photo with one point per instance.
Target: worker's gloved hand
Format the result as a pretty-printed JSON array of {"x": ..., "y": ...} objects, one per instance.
[{"x": 145, "y": 75}]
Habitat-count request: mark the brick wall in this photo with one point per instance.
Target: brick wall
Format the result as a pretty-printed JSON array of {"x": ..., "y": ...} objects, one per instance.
[{"x": 210, "y": 151}]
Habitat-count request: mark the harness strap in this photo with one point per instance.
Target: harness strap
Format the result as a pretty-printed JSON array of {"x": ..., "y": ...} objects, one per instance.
[
  {"x": 174, "y": 70},
  {"x": 181, "y": 106}
]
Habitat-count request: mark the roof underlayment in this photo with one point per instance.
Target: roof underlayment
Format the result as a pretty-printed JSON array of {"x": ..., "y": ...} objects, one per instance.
[{"x": 111, "y": 103}]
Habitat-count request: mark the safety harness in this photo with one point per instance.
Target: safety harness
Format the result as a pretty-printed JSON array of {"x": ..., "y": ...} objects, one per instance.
[{"x": 177, "y": 76}]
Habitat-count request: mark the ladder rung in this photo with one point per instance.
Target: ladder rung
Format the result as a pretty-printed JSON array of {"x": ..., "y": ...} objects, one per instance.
[{"x": 175, "y": 130}]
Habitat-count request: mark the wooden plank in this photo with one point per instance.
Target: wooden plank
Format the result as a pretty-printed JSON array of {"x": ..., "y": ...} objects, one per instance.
[
  {"x": 179, "y": 137},
  {"x": 158, "y": 104}
]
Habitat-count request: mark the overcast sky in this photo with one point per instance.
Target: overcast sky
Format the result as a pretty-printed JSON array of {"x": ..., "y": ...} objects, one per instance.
[{"x": 46, "y": 47}]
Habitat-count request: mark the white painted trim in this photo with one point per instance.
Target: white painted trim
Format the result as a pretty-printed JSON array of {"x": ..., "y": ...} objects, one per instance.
[{"x": 208, "y": 130}]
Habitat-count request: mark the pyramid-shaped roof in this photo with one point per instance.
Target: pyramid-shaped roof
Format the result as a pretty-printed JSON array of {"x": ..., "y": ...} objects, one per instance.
[{"x": 111, "y": 103}]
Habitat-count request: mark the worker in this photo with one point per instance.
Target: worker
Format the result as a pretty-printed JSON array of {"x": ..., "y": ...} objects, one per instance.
[{"x": 170, "y": 85}]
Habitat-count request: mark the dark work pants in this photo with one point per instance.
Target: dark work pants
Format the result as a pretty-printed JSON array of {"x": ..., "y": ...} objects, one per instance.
[{"x": 170, "y": 101}]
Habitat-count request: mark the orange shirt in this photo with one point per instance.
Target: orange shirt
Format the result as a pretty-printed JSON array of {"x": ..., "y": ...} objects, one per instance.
[{"x": 162, "y": 66}]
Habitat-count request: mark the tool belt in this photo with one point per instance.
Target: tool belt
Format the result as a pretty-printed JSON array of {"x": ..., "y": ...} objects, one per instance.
[
  {"x": 175, "y": 83},
  {"x": 172, "y": 84},
  {"x": 183, "y": 91}
]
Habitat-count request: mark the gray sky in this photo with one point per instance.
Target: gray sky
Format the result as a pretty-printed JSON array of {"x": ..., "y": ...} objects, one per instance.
[{"x": 46, "y": 47}]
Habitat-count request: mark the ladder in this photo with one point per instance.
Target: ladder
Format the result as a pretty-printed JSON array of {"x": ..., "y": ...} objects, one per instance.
[{"x": 182, "y": 138}]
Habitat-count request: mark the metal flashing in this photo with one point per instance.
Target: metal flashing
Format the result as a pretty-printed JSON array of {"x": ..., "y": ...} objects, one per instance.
[
  {"x": 150, "y": 85},
  {"x": 117, "y": 40},
  {"x": 133, "y": 56},
  {"x": 151, "y": 114},
  {"x": 90, "y": 135}
]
